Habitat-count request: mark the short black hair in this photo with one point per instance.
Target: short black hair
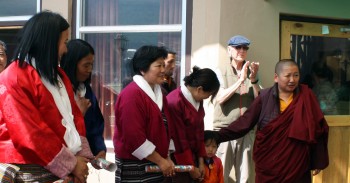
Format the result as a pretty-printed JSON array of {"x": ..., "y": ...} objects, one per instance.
[
  {"x": 211, "y": 135},
  {"x": 145, "y": 56},
  {"x": 205, "y": 78},
  {"x": 170, "y": 51}
]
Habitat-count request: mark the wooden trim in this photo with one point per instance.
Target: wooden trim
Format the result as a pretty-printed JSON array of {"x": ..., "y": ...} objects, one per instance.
[
  {"x": 338, "y": 120},
  {"x": 285, "y": 40},
  {"x": 10, "y": 27},
  {"x": 315, "y": 29},
  {"x": 289, "y": 28}
]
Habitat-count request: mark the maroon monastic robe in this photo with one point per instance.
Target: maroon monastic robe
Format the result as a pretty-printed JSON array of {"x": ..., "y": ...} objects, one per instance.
[{"x": 291, "y": 144}]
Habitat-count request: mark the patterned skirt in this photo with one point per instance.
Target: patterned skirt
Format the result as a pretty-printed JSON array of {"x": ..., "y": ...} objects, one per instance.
[
  {"x": 34, "y": 173},
  {"x": 134, "y": 171}
]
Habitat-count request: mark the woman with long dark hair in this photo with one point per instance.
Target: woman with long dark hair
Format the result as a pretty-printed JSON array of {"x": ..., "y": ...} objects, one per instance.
[
  {"x": 78, "y": 64},
  {"x": 42, "y": 129}
]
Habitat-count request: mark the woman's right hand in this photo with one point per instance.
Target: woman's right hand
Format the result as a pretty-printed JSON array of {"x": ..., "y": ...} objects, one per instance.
[
  {"x": 167, "y": 167},
  {"x": 81, "y": 170},
  {"x": 83, "y": 104}
]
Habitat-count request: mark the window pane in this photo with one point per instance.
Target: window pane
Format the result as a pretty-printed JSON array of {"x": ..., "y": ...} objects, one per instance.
[
  {"x": 325, "y": 67},
  {"x": 17, "y": 7},
  {"x": 113, "y": 53},
  {"x": 131, "y": 12}
]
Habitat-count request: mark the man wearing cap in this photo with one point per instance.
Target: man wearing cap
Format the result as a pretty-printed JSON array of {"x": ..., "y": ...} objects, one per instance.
[{"x": 239, "y": 87}]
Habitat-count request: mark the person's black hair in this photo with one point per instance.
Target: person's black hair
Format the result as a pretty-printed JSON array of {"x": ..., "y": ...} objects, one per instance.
[
  {"x": 211, "y": 135},
  {"x": 39, "y": 39},
  {"x": 77, "y": 49},
  {"x": 170, "y": 51},
  {"x": 145, "y": 56},
  {"x": 206, "y": 78}
]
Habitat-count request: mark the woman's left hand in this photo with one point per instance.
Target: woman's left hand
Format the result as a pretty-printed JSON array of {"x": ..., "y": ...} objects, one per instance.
[{"x": 101, "y": 154}]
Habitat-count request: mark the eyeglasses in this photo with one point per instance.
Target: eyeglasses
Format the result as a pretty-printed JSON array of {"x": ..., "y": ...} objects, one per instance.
[{"x": 245, "y": 48}]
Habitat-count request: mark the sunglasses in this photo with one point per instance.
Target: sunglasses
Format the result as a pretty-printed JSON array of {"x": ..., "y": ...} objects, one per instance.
[{"x": 245, "y": 48}]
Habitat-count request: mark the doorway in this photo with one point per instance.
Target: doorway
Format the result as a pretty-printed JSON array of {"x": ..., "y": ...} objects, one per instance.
[{"x": 322, "y": 52}]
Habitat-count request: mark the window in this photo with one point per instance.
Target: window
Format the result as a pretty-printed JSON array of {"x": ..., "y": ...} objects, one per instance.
[
  {"x": 18, "y": 10},
  {"x": 13, "y": 15},
  {"x": 116, "y": 29},
  {"x": 321, "y": 49}
]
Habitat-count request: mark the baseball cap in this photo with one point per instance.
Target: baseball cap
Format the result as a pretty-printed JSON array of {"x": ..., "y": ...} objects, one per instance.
[{"x": 238, "y": 40}]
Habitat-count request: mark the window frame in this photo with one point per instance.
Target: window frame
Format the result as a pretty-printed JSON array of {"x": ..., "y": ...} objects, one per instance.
[
  {"x": 22, "y": 18},
  {"x": 184, "y": 28}
]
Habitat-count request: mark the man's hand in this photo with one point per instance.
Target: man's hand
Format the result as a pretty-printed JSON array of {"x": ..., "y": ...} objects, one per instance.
[
  {"x": 254, "y": 68},
  {"x": 244, "y": 72}
]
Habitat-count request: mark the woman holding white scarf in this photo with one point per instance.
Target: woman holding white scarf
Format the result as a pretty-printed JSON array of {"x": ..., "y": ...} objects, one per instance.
[
  {"x": 143, "y": 127},
  {"x": 42, "y": 129}
]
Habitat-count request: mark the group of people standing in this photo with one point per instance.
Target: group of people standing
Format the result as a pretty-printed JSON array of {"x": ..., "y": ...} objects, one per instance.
[
  {"x": 281, "y": 128},
  {"x": 51, "y": 125}
]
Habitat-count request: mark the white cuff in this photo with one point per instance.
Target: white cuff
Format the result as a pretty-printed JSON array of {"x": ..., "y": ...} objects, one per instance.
[
  {"x": 171, "y": 146},
  {"x": 144, "y": 150}
]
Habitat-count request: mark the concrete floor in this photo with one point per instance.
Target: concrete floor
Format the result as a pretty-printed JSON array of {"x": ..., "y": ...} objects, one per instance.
[{"x": 102, "y": 176}]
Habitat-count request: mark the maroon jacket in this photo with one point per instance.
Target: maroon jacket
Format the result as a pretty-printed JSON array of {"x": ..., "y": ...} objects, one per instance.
[
  {"x": 138, "y": 118},
  {"x": 188, "y": 128}
]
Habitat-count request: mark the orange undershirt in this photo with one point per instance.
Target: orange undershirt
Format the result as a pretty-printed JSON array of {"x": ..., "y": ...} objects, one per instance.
[{"x": 285, "y": 104}]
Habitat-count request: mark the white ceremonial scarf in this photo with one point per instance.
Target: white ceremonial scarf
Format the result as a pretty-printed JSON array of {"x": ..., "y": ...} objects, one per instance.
[
  {"x": 60, "y": 96},
  {"x": 156, "y": 95},
  {"x": 189, "y": 97}
]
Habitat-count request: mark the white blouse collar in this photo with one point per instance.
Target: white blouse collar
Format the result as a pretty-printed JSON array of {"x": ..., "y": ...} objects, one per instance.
[{"x": 189, "y": 97}]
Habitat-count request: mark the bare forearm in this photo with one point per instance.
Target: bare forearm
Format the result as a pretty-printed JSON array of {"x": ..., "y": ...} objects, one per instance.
[
  {"x": 256, "y": 89},
  {"x": 225, "y": 94},
  {"x": 156, "y": 158}
]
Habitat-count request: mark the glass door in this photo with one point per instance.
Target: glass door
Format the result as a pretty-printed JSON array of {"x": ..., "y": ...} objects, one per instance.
[{"x": 322, "y": 52}]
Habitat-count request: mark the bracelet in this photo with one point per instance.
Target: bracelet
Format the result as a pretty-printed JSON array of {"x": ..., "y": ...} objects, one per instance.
[{"x": 255, "y": 81}]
